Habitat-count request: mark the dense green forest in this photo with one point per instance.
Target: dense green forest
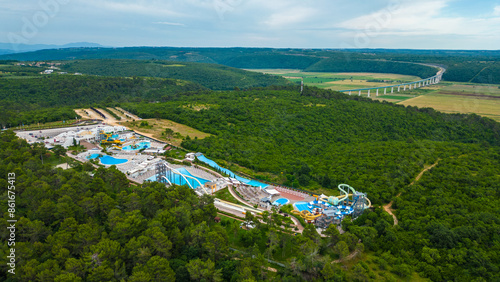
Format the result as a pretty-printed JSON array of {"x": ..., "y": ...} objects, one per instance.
[
  {"x": 91, "y": 224},
  {"x": 323, "y": 138},
  {"x": 76, "y": 227},
  {"x": 463, "y": 66},
  {"x": 46, "y": 98},
  {"x": 212, "y": 76}
]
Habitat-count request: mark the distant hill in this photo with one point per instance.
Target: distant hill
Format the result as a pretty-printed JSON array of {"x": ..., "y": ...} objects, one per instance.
[
  {"x": 8, "y": 48},
  {"x": 463, "y": 65},
  {"x": 212, "y": 76}
]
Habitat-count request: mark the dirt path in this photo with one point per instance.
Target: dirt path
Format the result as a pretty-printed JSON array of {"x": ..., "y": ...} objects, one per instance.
[
  {"x": 93, "y": 114},
  {"x": 82, "y": 113},
  {"x": 129, "y": 114},
  {"x": 387, "y": 207},
  {"x": 235, "y": 218},
  {"x": 118, "y": 113},
  {"x": 111, "y": 120},
  {"x": 233, "y": 193},
  {"x": 349, "y": 257}
]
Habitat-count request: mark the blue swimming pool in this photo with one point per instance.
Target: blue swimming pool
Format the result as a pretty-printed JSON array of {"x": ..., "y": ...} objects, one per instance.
[
  {"x": 138, "y": 146},
  {"x": 179, "y": 180},
  {"x": 107, "y": 160},
  {"x": 302, "y": 206},
  {"x": 93, "y": 156},
  {"x": 281, "y": 201},
  {"x": 213, "y": 164}
]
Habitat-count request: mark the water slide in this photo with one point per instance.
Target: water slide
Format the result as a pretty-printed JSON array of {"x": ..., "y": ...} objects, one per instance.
[
  {"x": 213, "y": 164},
  {"x": 336, "y": 200},
  {"x": 305, "y": 214},
  {"x": 248, "y": 209},
  {"x": 185, "y": 177}
]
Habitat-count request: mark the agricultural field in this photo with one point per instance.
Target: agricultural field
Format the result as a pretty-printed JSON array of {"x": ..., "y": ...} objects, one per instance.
[
  {"x": 448, "y": 97},
  {"x": 156, "y": 128},
  {"x": 340, "y": 81},
  {"x": 483, "y": 100}
]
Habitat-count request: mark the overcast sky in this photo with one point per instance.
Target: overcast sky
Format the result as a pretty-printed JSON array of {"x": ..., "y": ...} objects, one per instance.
[{"x": 418, "y": 24}]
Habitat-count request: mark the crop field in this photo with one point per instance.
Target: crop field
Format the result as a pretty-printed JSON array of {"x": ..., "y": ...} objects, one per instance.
[
  {"x": 341, "y": 81},
  {"x": 449, "y": 97},
  {"x": 483, "y": 100}
]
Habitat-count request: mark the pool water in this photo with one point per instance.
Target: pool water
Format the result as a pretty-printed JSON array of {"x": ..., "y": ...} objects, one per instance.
[
  {"x": 138, "y": 146},
  {"x": 281, "y": 201},
  {"x": 107, "y": 160},
  {"x": 302, "y": 206},
  {"x": 178, "y": 180},
  {"x": 213, "y": 164},
  {"x": 93, "y": 156}
]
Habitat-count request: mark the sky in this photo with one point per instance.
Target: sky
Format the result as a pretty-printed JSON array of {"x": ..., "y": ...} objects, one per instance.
[{"x": 413, "y": 24}]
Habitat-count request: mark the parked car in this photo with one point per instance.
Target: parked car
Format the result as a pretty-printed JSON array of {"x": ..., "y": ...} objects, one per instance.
[{"x": 247, "y": 225}]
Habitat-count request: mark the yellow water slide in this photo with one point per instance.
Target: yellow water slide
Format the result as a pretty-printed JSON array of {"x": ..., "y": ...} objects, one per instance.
[{"x": 305, "y": 214}]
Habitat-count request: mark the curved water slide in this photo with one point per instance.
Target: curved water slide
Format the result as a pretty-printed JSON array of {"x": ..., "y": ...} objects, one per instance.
[
  {"x": 245, "y": 208},
  {"x": 305, "y": 214},
  {"x": 336, "y": 200},
  {"x": 185, "y": 177},
  {"x": 168, "y": 180}
]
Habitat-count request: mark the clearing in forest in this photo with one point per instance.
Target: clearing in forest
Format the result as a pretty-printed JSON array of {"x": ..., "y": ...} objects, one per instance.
[{"x": 157, "y": 128}]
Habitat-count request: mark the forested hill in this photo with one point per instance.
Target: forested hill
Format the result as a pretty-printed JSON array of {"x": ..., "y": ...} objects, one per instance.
[
  {"x": 463, "y": 66},
  {"x": 336, "y": 65},
  {"x": 323, "y": 138},
  {"x": 50, "y": 98},
  {"x": 212, "y": 76}
]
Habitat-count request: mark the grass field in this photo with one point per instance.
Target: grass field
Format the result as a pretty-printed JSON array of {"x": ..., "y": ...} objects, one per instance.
[
  {"x": 458, "y": 104},
  {"x": 449, "y": 97},
  {"x": 157, "y": 126},
  {"x": 225, "y": 195},
  {"x": 341, "y": 81}
]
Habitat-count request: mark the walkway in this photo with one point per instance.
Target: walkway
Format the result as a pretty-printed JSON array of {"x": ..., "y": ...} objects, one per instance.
[
  {"x": 237, "y": 197},
  {"x": 387, "y": 207}
]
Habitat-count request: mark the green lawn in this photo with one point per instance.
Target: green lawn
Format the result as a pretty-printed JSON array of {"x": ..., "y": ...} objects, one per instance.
[{"x": 226, "y": 196}]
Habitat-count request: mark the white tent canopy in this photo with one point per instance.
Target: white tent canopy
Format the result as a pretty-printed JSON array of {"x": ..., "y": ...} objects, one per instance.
[{"x": 272, "y": 191}]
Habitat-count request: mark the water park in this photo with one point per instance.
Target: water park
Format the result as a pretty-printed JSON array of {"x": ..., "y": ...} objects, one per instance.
[
  {"x": 141, "y": 159},
  {"x": 256, "y": 196}
]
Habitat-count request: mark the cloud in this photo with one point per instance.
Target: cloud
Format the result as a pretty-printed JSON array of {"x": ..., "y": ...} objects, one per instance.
[
  {"x": 150, "y": 8},
  {"x": 496, "y": 10},
  {"x": 169, "y": 23},
  {"x": 290, "y": 16},
  {"x": 422, "y": 18}
]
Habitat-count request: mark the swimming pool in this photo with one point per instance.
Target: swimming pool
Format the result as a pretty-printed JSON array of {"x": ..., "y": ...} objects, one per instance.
[
  {"x": 213, "y": 164},
  {"x": 302, "y": 206},
  {"x": 138, "y": 146},
  {"x": 281, "y": 201},
  {"x": 107, "y": 160},
  {"x": 179, "y": 180},
  {"x": 93, "y": 156}
]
